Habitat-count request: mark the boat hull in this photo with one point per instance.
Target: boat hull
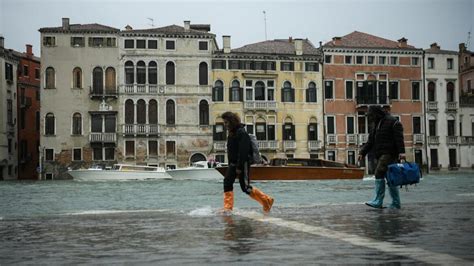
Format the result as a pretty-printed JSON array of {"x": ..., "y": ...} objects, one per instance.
[
  {"x": 300, "y": 173},
  {"x": 195, "y": 174},
  {"x": 105, "y": 175}
]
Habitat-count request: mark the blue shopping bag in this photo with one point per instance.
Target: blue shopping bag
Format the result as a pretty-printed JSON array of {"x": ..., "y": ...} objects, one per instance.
[{"x": 402, "y": 174}]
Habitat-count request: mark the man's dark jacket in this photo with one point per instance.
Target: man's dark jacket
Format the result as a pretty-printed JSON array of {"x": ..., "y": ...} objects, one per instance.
[
  {"x": 238, "y": 147},
  {"x": 385, "y": 138}
]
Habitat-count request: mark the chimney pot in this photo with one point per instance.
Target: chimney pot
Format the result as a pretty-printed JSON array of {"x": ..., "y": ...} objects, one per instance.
[
  {"x": 337, "y": 41},
  {"x": 2, "y": 42},
  {"x": 299, "y": 46},
  {"x": 187, "y": 25},
  {"x": 65, "y": 23},
  {"x": 403, "y": 43},
  {"x": 29, "y": 50},
  {"x": 226, "y": 43}
]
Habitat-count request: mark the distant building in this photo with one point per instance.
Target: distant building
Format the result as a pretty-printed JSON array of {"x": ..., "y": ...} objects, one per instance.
[
  {"x": 276, "y": 88},
  {"x": 466, "y": 104},
  {"x": 442, "y": 108},
  {"x": 362, "y": 70},
  {"x": 8, "y": 113}
]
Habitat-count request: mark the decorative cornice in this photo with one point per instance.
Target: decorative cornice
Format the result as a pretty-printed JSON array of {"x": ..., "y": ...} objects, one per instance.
[
  {"x": 238, "y": 56},
  {"x": 372, "y": 50}
]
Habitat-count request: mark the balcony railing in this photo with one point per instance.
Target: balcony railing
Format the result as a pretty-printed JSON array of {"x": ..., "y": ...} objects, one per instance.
[
  {"x": 100, "y": 137},
  {"x": 351, "y": 139},
  {"x": 101, "y": 93},
  {"x": 267, "y": 144},
  {"x": 452, "y": 140},
  {"x": 363, "y": 138},
  {"x": 139, "y": 89},
  {"x": 220, "y": 145},
  {"x": 467, "y": 140},
  {"x": 140, "y": 129},
  {"x": 370, "y": 100},
  {"x": 418, "y": 138},
  {"x": 432, "y": 106},
  {"x": 433, "y": 140},
  {"x": 331, "y": 139},
  {"x": 451, "y": 106},
  {"x": 289, "y": 145},
  {"x": 314, "y": 145},
  {"x": 466, "y": 101},
  {"x": 260, "y": 105}
]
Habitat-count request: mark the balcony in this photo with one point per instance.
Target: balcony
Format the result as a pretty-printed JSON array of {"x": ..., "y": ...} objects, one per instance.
[
  {"x": 363, "y": 138},
  {"x": 25, "y": 102},
  {"x": 331, "y": 139},
  {"x": 220, "y": 145},
  {"x": 351, "y": 139},
  {"x": 100, "y": 137},
  {"x": 260, "y": 105},
  {"x": 451, "y": 106},
  {"x": 289, "y": 145},
  {"x": 140, "y": 129},
  {"x": 99, "y": 93},
  {"x": 467, "y": 140},
  {"x": 418, "y": 138},
  {"x": 138, "y": 89},
  {"x": 372, "y": 100},
  {"x": 433, "y": 140},
  {"x": 314, "y": 145},
  {"x": 267, "y": 144},
  {"x": 432, "y": 106},
  {"x": 452, "y": 140},
  {"x": 466, "y": 100}
]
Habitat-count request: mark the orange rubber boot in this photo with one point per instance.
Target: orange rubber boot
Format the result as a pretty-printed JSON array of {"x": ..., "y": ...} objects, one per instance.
[
  {"x": 265, "y": 200},
  {"x": 228, "y": 201}
]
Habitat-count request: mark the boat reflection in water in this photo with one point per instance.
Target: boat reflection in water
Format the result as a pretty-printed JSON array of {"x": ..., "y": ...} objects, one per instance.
[
  {"x": 119, "y": 172},
  {"x": 302, "y": 169},
  {"x": 201, "y": 170}
]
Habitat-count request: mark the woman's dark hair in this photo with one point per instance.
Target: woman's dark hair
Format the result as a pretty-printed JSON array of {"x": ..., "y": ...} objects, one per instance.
[{"x": 233, "y": 119}]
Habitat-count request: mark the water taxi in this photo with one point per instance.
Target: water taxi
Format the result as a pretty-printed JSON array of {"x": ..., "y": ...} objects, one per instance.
[{"x": 119, "y": 172}]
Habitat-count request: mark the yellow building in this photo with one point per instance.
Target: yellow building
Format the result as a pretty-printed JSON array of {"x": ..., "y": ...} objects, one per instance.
[{"x": 275, "y": 87}]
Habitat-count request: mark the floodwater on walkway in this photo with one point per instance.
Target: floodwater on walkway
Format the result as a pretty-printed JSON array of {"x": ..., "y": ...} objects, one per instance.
[{"x": 177, "y": 222}]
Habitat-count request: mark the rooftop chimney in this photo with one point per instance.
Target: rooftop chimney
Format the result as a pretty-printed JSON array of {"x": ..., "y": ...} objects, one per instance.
[
  {"x": 29, "y": 50},
  {"x": 299, "y": 46},
  {"x": 435, "y": 46},
  {"x": 337, "y": 41},
  {"x": 462, "y": 47},
  {"x": 226, "y": 43},
  {"x": 2, "y": 42},
  {"x": 65, "y": 23},
  {"x": 402, "y": 43},
  {"x": 128, "y": 27},
  {"x": 290, "y": 39},
  {"x": 187, "y": 25}
]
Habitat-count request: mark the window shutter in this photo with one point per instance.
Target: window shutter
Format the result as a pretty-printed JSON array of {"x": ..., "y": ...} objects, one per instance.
[
  {"x": 284, "y": 132},
  {"x": 293, "y": 132},
  {"x": 292, "y": 90},
  {"x": 241, "y": 94},
  {"x": 214, "y": 92},
  {"x": 307, "y": 96},
  {"x": 282, "y": 95}
]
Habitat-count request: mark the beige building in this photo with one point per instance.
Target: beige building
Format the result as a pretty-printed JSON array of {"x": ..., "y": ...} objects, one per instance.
[
  {"x": 275, "y": 87},
  {"x": 8, "y": 114}
]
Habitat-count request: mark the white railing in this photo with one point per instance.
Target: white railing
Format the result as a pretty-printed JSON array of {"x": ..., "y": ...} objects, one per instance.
[
  {"x": 314, "y": 145},
  {"x": 331, "y": 139},
  {"x": 103, "y": 137},
  {"x": 267, "y": 144},
  {"x": 289, "y": 145},
  {"x": 467, "y": 140},
  {"x": 139, "y": 89},
  {"x": 351, "y": 139},
  {"x": 433, "y": 140},
  {"x": 143, "y": 129},
  {"x": 260, "y": 105},
  {"x": 220, "y": 145},
  {"x": 452, "y": 140},
  {"x": 432, "y": 106},
  {"x": 363, "y": 138},
  {"x": 418, "y": 138},
  {"x": 451, "y": 106}
]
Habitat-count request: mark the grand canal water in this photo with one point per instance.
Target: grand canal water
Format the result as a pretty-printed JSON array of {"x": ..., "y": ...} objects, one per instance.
[{"x": 177, "y": 222}]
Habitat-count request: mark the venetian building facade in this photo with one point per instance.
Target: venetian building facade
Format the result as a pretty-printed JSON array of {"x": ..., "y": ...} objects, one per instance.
[
  {"x": 79, "y": 94},
  {"x": 275, "y": 87},
  {"x": 442, "y": 108},
  {"x": 362, "y": 70},
  {"x": 466, "y": 104},
  {"x": 165, "y": 95},
  {"x": 8, "y": 113}
]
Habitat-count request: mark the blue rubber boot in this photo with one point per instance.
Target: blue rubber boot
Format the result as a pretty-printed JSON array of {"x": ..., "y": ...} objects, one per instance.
[
  {"x": 377, "y": 202},
  {"x": 395, "y": 194}
]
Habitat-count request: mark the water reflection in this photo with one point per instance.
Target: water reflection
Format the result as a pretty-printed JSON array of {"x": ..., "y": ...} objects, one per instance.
[
  {"x": 389, "y": 224},
  {"x": 241, "y": 234}
]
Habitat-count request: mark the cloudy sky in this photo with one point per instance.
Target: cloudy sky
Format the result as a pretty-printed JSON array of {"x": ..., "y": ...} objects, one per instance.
[{"x": 422, "y": 22}]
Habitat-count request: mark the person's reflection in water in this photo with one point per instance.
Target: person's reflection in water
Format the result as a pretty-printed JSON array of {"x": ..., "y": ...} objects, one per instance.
[
  {"x": 391, "y": 225},
  {"x": 241, "y": 234}
]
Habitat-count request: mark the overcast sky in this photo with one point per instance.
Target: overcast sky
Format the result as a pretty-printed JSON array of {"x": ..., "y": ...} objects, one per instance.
[{"x": 422, "y": 22}]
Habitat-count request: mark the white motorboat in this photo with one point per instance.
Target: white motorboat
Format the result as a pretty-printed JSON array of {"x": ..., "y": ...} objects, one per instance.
[
  {"x": 201, "y": 170},
  {"x": 120, "y": 172}
]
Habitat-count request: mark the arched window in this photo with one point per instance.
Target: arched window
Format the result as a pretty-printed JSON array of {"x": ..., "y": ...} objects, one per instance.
[
  {"x": 98, "y": 81},
  {"x": 153, "y": 112},
  {"x": 261, "y": 129},
  {"x": 431, "y": 91},
  {"x": 203, "y": 113},
  {"x": 170, "y": 113},
  {"x": 235, "y": 92},
  {"x": 129, "y": 112},
  {"x": 141, "y": 72},
  {"x": 197, "y": 157},
  {"x": 49, "y": 124},
  {"x": 288, "y": 130},
  {"x": 129, "y": 73},
  {"x": 141, "y": 112},
  {"x": 77, "y": 78},
  {"x": 50, "y": 78},
  {"x": 259, "y": 91},
  {"x": 287, "y": 92},
  {"x": 450, "y": 92},
  {"x": 110, "y": 81},
  {"x": 170, "y": 73},
  {"x": 203, "y": 74},
  {"x": 152, "y": 73},
  {"x": 218, "y": 91},
  {"x": 311, "y": 93},
  {"x": 76, "y": 124}
]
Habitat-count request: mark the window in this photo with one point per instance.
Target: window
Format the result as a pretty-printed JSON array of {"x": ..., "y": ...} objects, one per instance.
[
  {"x": 97, "y": 153},
  {"x": 170, "y": 45},
  {"x": 96, "y": 123},
  {"x": 129, "y": 44},
  {"x": 203, "y": 73},
  {"x": 152, "y": 44},
  {"x": 110, "y": 86},
  {"x": 261, "y": 131},
  {"x": 348, "y": 59},
  {"x": 287, "y": 66},
  {"x": 259, "y": 91},
  {"x": 393, "y": 93},
  {"x": 152, "y": 73},
  {"x": 49, "y": 126},
  {"x": 327, "y": 59},
  {"x": 432, "y": 127},
  {"x": 10, "y": 112},
  {"x": 141, "y": 112},
  {"x": 37, "y": 73},
  {"x": 349, "y": 89},
  {"x": 450, "y": 92},
  {"x": 382, "y": 60},
  {"x": 218, "y": 64},
  {"x": 451, "y": 127},
  {"x": 370, "y": 60},
  {"x": 219, "y": 132},
  {"x": 153, "y": 148},
  {"x": 236, "y": 92},
  {"x": 330, "y": 125},
  {"x": 218, "y": 91},
  {"x": 287, "y": 92},
  {"x": 9, "y": 145},
  {"x": 203, "y": 46},
  {"x": 351, "y": 157},
  {"x": 37, "y": 116},
  {"x": 234, "y": 64},
  {"x": 153, "y": 112},
  {"x": 416, "y": 125},
  {"x": 98, "y": 81},
  {"x": 170, "y": 148},
  {"x": 313, "y": 67},
  {"x": 129, "y": 73},
  {"x": 328, "y": 89},
  {"x": 414, "y": 61},
  {"x": 25, "y": 71},
  {"x": 129, "y": 112},
  {"x": 393, "y": 60},
  {"x": 141, "y": 72},
  {"x": 270, "y": 90},
  {"x": 431, "y": 91},
  {"x": 49, "y": 41},
  {"x": 77, "y": 78},
  {"x": 49, "y": 154},
  {"x": 469, "y": 88},
  {"x": 311, "y": 93},
  {"x": 96, "y": 42},
  {"x": 431, "y": 63},
  {"x": 76, "y": 124},
  {"x": 50, "y": 78},
  {"x": 109, "y": 153},
  {"x": 288, "y": 131},
  {"x": 77, "y": 154},
  {"x": 130, "y": 148},
  {"x": 313, "y": 131},
  {"x": 331, "y": 156},
  {"x": 8, "y": 71},
  {"x": 170, "y": 113},
  {"x": 77, "y": 41},
  {"x": 220, "y": 158},
  {"x": 170, "y": 75},
  {"x": 350, "y": 125},
  {"x": 415, "y": 91},
  {"x": 359, "y": 59},
  {"x": 449, "y": 63},
  {"x": 203, "y": 113},
  {"x": 141, "y": 44}
]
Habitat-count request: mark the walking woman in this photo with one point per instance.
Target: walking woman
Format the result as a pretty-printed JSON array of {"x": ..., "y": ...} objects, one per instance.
[{"x": 238, "y": 153}]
